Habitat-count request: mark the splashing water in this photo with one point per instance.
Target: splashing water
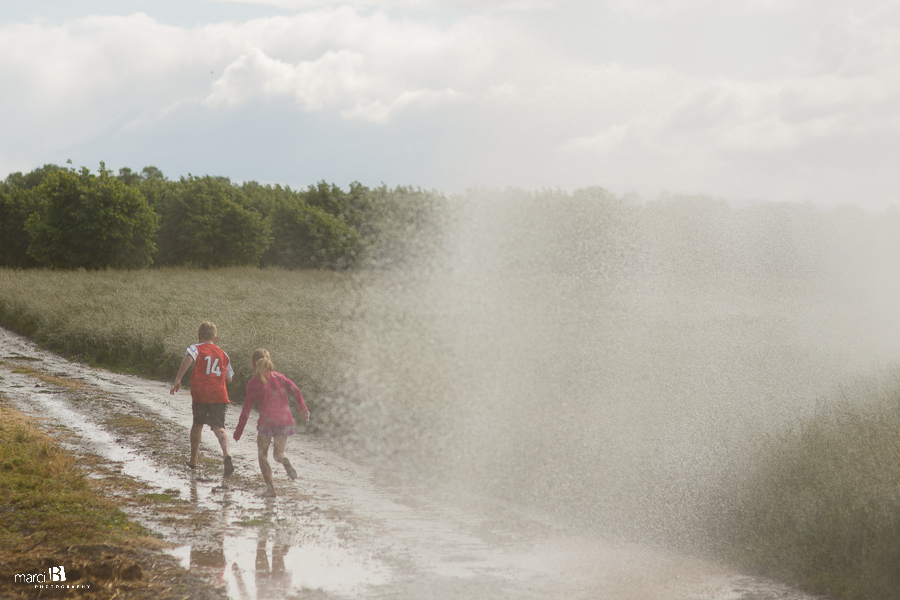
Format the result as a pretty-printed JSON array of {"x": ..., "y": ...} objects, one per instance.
[
  {"x": 608, "y": 361},
  {"x": 597, "y": 359}
]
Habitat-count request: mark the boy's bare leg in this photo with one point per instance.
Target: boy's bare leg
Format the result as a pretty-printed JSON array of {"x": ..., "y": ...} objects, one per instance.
[
  {"x": 196, "y": 430},
  {"x": 262, "y": 447},
  {"x": 278, "y": 455},
  {"x": 223, "y": 439},
  {"x": 223, "y": 442}
]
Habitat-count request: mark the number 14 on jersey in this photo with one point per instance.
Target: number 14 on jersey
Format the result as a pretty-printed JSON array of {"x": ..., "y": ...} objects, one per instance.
[{"x": 212, "y": 367}]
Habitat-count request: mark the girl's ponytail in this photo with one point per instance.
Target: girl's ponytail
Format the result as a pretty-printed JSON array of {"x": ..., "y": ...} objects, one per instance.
[{"x": 262, "y": 364}]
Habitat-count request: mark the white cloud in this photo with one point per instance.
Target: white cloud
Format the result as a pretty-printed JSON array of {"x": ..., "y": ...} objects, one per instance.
[
  {"x": 733, "y": 115},
  {"x": 313, "y": 84},
  {"x": 377, "y": 112},
  {"x": 91, "y": 72},
  {"x": 857, "y": 44},
  {"x": 88, "y": 75},
  {"x": 488, "y": 101},
  {"x": 660, "y": 9},
  {"x": 604, "y": 141},
  {"x": 465, "y": 5}
]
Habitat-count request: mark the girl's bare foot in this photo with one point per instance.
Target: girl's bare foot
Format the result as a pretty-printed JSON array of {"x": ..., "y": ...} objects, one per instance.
[
  {"x": 269, "y": 494},
  {"x": 290, "y": 470}
]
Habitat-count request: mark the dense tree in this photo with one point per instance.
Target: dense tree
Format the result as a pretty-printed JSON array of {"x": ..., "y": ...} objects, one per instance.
[
  {"x": 265, "y": 199},
  {"x": 153, "y": 185},
  {"x": 368, "y": 227},
  {"x": 129, "y": 177},
  {"x": 308, "y": 237},
  {"x": 29, "y": 180},
  {"x": 90, "y": 221},
  {"x": 17, "y": 202},
  {"x": 397, "y": 226},
  {"x": 16, "y": 205},
  {"x": 204, "y": 221},
  {"x": 328, "y": 197},
  {"x": 210, "y": 221}
]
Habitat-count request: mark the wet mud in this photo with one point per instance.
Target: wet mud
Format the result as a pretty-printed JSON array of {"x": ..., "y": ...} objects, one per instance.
[{"x": 338, "y": 531}]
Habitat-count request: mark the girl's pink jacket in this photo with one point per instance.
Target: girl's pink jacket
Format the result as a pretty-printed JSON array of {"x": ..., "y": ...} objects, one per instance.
[{"x": 274, "y": 407}]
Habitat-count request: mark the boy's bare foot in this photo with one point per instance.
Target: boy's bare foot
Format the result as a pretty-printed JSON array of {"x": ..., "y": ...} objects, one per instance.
[
  {"x": 229, "y": 466},
  {"x": 269, "y": 494},
  {"x": 290, "y": 470}
]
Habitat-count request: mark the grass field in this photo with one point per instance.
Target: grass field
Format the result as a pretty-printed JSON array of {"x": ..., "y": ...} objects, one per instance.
[
  {"x": 333, "y": 333},
  {"x": 606, "y": 402},
  {"x": 141, "y": 321}
]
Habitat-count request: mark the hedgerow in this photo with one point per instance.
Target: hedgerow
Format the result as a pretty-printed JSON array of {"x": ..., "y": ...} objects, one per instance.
[{"x": 65, "y": 218}]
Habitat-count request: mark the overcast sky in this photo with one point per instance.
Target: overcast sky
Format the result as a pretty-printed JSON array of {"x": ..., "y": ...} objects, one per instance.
[{"x": 748, "y": 100}]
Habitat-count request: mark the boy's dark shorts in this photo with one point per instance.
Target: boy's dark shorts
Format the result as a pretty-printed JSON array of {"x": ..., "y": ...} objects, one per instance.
[{"x": 209, "y": 414}]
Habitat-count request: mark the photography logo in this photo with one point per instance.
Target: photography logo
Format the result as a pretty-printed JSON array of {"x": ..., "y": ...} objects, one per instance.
[
  {"x": 53, "y": 574},
  {"x": 53, "y": 578}
]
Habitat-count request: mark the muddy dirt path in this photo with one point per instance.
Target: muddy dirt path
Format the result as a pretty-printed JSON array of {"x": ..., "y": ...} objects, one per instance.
[{"x": 334, "y": 532}]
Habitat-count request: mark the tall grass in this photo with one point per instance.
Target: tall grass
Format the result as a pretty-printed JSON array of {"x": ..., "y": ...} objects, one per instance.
[
  {"x": 606, "y": 408},
  {"x": 363, "y": 357},
  {"x": 142, "y": 321},
  {"x": 820, "y": 505}
]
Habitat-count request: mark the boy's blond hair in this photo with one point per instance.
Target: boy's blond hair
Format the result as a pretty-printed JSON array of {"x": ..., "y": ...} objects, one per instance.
[{"x": 207, "y": 331}]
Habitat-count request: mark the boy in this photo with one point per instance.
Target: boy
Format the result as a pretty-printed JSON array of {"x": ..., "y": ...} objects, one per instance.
[{"x": 208, "y": 392}]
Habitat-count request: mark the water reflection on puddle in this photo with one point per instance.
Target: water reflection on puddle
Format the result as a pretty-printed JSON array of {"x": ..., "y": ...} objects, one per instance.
[{"x": 265, "y": 564}]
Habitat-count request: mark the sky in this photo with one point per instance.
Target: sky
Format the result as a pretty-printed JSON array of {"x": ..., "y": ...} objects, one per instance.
[{"x": 746, "y": 100}]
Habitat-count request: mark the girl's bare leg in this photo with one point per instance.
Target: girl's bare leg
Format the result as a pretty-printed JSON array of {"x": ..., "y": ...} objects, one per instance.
[
  {"x": 278, "y": 455},
  {"x": 262, "y": 447}
]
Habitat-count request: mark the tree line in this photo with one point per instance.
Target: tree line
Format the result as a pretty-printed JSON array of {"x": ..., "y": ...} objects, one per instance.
[{"x": 62, "y": 217}]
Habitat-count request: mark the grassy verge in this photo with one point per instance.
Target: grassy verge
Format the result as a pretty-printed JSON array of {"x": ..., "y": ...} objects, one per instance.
[
  {"x": 822, "y": 507},
  {"x": 52, "y": 514}
]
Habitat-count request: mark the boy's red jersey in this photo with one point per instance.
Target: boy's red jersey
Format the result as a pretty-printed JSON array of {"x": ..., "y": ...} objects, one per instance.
[{"x": 211, "y": 369}]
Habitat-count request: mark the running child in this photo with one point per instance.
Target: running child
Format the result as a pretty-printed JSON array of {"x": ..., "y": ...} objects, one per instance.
[
  {"x": 209, "y": 395},
  {"x": 271, "y": 390}
]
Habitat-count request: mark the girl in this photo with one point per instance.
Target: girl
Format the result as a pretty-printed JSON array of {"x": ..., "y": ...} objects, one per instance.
[{"x": 271, "y": 390}]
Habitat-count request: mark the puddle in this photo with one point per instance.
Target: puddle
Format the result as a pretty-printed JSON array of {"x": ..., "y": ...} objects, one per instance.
[
  {"x": 132, "y": 462},
  {"x": 262, "y": 566},
  {"x": 17, "y": 356},
  {"x": 335, "y": 532}
]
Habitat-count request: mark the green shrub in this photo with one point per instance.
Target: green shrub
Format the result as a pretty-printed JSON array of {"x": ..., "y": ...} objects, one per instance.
[
  {"x": 30, "y": 180},
  {"x": 16, "y": 205},
  {"x": 89, "y": 221},
  {"x": 822, "y": 507},
  {"x": 205, "y": 222},
  {"x": 398, "y": 226},
  {"x": 328, "y": 197},
  {"x": 308, "y": 237},
  {"x": 152, "y": 183},
  {"x": 326, "y": 227}
]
